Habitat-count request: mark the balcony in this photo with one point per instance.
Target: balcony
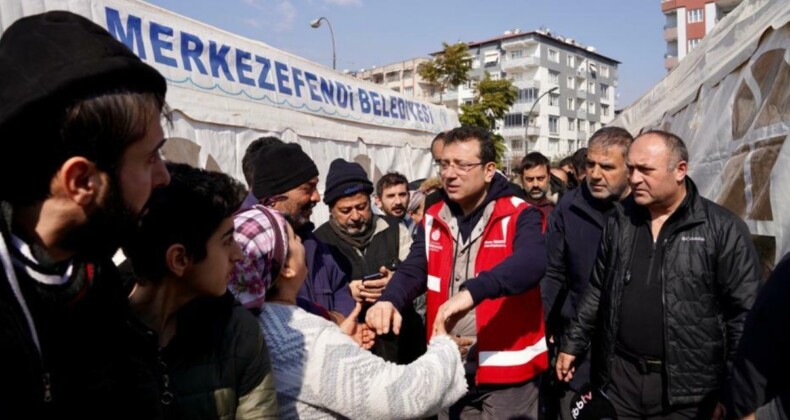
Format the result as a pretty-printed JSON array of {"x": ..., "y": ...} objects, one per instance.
[
  {"x": 582, "y": 94},
  {"x": 523, "y": 108},
  {"x": 581, "y": 113},
  {"x": 533, "y": 131},
  {"x": 517, "y": 132},
  {"x": 448, "y": 96},
  {"x": 527, "y": 84},
  {"x": 581, "y": 135},
  {"x": 671, "y": 33},
  {"x": 667, "y": 5},
  {"x": 519, "y": 43},
  {"x": 520, "y": 63},
  {"x": 670, "y": 61}
]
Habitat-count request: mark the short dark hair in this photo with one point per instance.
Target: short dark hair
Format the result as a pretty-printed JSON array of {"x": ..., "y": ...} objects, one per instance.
[
  {"x": 248, "y": 163},
  {"x": 565, "y": 161},
  {"x": 187, "y": 211},
  {"x": 532, "y": 160},
  {"x": 609, "y": 136},
  {"x": 468, "y": 133},
  {"x": 390, "y": 180},
  {"x": 99, "y": 128},
  {"x": 677, "y": 147},
  {"x": 439, "y": 137},
  {"x": 579, "y": 161}
]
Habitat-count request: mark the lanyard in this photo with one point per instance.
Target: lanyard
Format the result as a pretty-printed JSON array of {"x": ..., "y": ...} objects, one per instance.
[{"x": 5, "y": 256}]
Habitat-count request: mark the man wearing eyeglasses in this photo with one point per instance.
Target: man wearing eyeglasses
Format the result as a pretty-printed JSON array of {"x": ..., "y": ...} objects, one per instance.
[{"x": 480, "y": 254}]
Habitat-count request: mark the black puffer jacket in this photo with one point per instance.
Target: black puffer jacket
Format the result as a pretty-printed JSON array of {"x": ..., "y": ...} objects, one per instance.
[{"x": 710, "y": 277}]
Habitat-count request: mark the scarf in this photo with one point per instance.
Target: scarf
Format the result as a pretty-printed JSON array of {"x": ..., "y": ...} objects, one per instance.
[{"x": 357, "y": 240}]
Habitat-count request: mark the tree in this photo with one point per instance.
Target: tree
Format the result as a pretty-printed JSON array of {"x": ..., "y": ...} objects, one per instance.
[
  {"x": 493, "y": 98},
  {"x": 448, "y": 69}
]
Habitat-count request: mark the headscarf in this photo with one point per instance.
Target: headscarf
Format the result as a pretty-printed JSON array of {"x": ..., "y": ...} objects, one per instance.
[{"x": 262, "y": 234}]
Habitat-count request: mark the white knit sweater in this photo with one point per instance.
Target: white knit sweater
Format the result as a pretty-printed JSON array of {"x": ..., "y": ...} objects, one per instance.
[{"x": 321, "y": 373}]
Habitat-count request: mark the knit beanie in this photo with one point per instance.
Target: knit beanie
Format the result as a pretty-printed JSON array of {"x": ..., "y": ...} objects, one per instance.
[
  {"x": 345, "y": 179},
  {"x": 51, "y": 60},
  {"x": 280, "y": 168},
  {"x": 262, "y": 234}
]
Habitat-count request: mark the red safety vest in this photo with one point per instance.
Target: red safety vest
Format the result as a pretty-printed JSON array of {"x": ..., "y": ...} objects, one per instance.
[{"x": 511, "y": 338}]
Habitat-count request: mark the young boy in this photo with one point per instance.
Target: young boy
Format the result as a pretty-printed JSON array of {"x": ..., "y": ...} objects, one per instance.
[{"x": 195, "y": 351}]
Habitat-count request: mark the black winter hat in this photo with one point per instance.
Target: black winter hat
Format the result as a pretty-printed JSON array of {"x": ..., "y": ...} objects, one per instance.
[
  {"x": 280, "y": 168},
  {"x": 345, "y": 179},
  {"x": 51, "y": 60}
]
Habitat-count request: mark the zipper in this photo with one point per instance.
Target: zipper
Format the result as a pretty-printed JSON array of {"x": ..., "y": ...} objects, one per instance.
[
  {"x": 167, "y": 396},
  {"x": 47, "y": 385}
]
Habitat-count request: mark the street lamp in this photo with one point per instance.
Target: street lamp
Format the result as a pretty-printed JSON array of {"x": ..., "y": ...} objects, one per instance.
[
  {"x": 530, "y": 112},
  {"x": 316, "y": 23}
]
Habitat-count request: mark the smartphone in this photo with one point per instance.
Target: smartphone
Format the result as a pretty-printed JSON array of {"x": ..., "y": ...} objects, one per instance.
[{"x": 374, "y": 276}]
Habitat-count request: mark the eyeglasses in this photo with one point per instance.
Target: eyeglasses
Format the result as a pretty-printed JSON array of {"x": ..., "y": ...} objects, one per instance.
[{"x": 461, "y": 167}]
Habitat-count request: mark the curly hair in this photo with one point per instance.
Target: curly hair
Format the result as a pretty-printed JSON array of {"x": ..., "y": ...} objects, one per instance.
[{"x": 187, "y": 211}]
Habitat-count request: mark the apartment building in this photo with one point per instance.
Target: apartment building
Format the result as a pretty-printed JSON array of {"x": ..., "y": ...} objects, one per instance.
[
  {"x": 401, "y": 77},
  {"x": 687, "y": 22},
  {"x": 566, "y": 91}
]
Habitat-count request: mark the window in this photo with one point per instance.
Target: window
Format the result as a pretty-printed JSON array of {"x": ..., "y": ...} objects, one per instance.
[
  {"x": 554, "y": 55},
  {"x": 571, "y": 83},
  {"x": 495, "y": 76},
  {"x": 517, "y": 144},
  {"x": 604, "y": 71},
  {"x": 526, "y": 95},
  {"x": 516, "y": 54},
  {"x": 408, "y": 90},
  {"x": 571, "y": 124},
  {"x": 591, "y": 109},
  {"x": 516, "y": 76},
  {"x": 554, "y": 146},
  {"x": 593, "y": 71},
  {"x": 570, "y": 60},
  {"x": 554, "y": 99},
  {"x": 692, "y": 43},
  {"x": 406, "y": 74},
  {"x": 554, "y": 123},
  {"x": 604, "y": 90},
  {"x": 554, "y": 77},
  {"x": 475, "y": 63},
  {"x": 491, "y": 58},
  {"x": 571, "y": 104},
  {"x": 694, "y": 15},
  {"x": 514, "y": 120},
  {"x": 571, "y": 146},
  {"x": 605, "y": 110},
  {"x": 591, "y": 87}
]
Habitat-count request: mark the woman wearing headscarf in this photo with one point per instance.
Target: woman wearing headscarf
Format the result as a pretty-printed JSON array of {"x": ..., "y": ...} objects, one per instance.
[{"x": 319, "y": 371}]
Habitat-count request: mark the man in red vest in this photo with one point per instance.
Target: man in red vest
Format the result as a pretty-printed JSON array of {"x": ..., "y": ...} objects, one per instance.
[{"x": 480, "y": 254}]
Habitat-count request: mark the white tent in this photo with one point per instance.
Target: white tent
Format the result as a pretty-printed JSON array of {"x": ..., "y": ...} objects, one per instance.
[
  {"x": 729, "y": 99},
  {"x": 226, "y": 91}
]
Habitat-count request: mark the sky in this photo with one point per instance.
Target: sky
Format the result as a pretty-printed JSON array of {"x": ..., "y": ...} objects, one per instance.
[{"x": 379, "y": 32}]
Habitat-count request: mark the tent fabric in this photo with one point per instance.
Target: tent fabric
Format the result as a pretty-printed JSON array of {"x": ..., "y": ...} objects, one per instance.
[
  {"x": 226, "y": 90},
  {"x": 729, "y": 99}
]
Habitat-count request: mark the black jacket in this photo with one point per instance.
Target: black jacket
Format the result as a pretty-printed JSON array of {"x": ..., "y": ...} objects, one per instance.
[
  {"x": 216, "y": 367},
  {"x": 78, "y": 339},
  {"x": 760, "y": 372},
  {"x": 710, "y": 277}
]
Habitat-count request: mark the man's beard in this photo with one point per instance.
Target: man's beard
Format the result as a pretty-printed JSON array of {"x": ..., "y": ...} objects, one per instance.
[{"x": 110, "y": 226}]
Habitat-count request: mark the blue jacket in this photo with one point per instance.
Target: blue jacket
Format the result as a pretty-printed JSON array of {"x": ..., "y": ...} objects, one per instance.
[
  {"x": 326, "y": 283},
  {"x": 572, "y": 239}
]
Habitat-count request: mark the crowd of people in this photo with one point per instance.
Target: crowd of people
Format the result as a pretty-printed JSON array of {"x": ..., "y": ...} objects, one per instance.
[{"x": 601, "y": 286}]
